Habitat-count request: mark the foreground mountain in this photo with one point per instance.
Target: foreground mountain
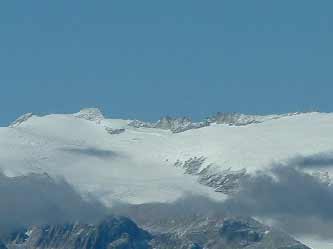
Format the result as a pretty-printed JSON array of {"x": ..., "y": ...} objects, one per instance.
[
  {"x": 122, "y": 233},
  {"x": 34, "y": 200},
  {"x": 196, "y": 222},
  {"x": 112, "y": 233}
]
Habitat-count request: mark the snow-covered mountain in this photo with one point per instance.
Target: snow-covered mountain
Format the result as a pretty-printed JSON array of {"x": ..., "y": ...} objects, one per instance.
[
  {"x": 138, "y": 162},
  {"x": 117, "y": 160}
]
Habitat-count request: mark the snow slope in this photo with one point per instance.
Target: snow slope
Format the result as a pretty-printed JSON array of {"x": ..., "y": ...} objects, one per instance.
[
  {"x": 138, "y": 165},
  {"x": 316, "y": 243}
]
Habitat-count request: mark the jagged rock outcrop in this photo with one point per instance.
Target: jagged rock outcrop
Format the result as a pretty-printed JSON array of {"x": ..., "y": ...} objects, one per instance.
[
  {"x": 140, "y": 124},
  {"x": 176, "y": 125},
  {"x": 229, "y": 233},
  {"x": 205, "y": 225},
  {"x": 224, "y": 181},
  {"x": 187, "y": 232},
  {"x": 91, "y": 114},
  {"x": 234, "y": 119},
  {"x": 111, "y": 233},
  {"x": 181, "y": 124},
  {"x": 20, "y": 120},
  {"x": 238, "y": 119}
]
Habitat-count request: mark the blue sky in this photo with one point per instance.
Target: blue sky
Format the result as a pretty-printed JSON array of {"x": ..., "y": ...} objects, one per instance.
[{"x": 148, "y": 58}]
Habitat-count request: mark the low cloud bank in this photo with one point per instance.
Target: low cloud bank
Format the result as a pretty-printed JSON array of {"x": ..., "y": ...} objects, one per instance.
[
  {"x": 296, "y": 201},
  {"x": 38, "y": 199},
  {"x": 320, "y": 160},
  {"x": 284, "y": 195}
]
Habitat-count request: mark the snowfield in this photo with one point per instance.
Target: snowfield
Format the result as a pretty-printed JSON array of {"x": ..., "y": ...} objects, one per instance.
[{"x": 137, "y": 165}]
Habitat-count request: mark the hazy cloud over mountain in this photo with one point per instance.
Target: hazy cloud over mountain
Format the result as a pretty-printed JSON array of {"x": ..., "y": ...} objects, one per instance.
[
  {"x": 284, "y": 196},
  {"x": 296, "y": 201},
  {"x": 321, "y": 160},
  {"x": 39, "y": 199}
]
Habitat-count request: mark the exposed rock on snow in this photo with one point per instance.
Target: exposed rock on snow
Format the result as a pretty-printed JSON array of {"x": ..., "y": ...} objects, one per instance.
[
  {"x": 140, "y": 124},
  {"x": 225, "y": 181},
  {"x": 21, "y": 120},
  {"x": 112, "y": 131},
  {"x": 239, "y": 119},
  {"x": 91, "y": 114},
  {"x": 181, "y": 124},
  {"x": 176, "y": 125}
]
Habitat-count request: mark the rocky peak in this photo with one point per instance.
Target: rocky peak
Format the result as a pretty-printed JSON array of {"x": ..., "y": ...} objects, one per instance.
[
  {"x": 193, "y": 232},
  {"x": 91, "y": 114},
  {"x": 111, "y": 233},
  {"x": 176, "y": 125},
  {"x": 235, "y": 119}
]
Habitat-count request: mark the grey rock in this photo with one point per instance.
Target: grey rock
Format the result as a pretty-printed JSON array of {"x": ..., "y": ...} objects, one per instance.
[
  {"x": 198, "y": 224},
  {"x": 181, "y": 124},
  {"x": 187, "y": 232},
  {"x": 90, "y": 114},
  {"x": 111, "y": 233},
  {"x": 112, "y": 131},
  {"x": 21, "y": 120},
  {"x": 176, "y": 125},
  {"x": 238, "y": 119},
  {"x": 140, "y": 124},
  {"x": 234, "y": 119},
  {"x": 225, "y": 181}
]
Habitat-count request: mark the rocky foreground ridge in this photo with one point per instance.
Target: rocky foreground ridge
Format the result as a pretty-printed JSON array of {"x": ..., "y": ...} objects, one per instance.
[{"x": 122, "y": 233}]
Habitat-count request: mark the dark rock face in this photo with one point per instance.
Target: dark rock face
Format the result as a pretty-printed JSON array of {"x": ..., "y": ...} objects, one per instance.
[
  {"x": 184, "y": 226},
  {"x": 192, "y": 232},
  {"x": 229, "y": 233},
  {"x": 112, "y": 233},
  {"x": 241, "y": 232}
]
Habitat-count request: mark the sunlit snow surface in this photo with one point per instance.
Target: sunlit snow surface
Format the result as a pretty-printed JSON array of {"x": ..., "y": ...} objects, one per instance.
[
  {"x": 316, "y": 243},
  {"x": 138, "y": 164}
]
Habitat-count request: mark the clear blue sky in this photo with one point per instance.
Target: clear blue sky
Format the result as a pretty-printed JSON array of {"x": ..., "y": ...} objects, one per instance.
[{"x": 143, "y": 59}]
